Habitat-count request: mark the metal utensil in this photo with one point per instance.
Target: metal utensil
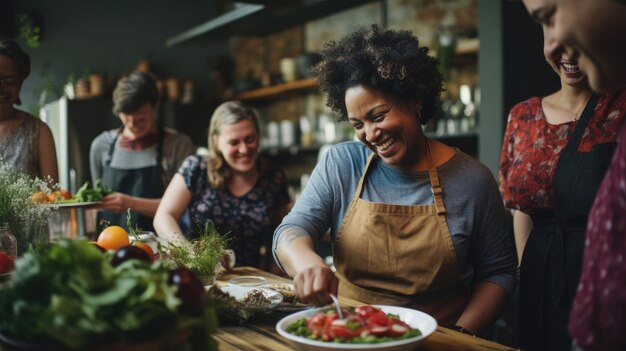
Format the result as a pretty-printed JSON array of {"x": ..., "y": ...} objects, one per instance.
[{"x": 337, "y": 306}]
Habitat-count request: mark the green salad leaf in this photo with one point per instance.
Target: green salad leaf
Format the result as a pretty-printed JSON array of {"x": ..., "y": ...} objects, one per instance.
[
  {"x": 70, "y": 294},
  {"x": 87, "y": 194}
]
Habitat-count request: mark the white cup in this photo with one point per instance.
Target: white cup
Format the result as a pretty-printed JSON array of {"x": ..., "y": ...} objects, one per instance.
[
  {"x": 287, "y": 133},
  {"x": 273, "y": 134},
  {"x": 288, "y": 69}
]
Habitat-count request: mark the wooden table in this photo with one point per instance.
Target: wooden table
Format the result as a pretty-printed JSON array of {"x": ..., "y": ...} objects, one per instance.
[{"x": 259, "y": 333}]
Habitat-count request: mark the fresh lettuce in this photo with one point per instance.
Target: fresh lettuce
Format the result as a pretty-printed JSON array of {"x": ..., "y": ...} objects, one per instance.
[{"x": 71, "y": 295}]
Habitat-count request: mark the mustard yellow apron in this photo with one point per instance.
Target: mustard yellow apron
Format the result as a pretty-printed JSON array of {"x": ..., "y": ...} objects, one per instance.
[{"x": 400, "y": 255}]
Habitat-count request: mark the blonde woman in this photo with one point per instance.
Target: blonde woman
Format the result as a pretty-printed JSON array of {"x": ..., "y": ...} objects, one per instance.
[{"x": 241, "y": 193}]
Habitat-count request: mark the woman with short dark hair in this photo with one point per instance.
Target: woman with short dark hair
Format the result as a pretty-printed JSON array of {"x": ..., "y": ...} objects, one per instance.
[{"x": 137, "y": 160}]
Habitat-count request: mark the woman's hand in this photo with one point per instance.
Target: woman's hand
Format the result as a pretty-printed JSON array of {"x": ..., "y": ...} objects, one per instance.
[
  {"x": 116, "y": 202},
  {"x": 314, "y": 284},
  {"x": 313, "y": 280}
]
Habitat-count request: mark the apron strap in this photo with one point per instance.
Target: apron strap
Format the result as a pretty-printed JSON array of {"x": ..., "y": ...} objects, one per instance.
[
  {"x": 435, "y": 185},
  {"x": 112, "y": 146},
  {"x": 359, "y": 188},
  {"x": 160, "y": 120}
]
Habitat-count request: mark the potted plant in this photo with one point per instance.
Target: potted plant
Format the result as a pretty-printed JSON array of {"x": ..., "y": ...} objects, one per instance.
[
  {"x": 25, "y": 219},
  {"x": 29, "y": 29}
]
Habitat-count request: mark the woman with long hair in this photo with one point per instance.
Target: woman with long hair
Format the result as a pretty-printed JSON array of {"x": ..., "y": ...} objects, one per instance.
[{"x": 241, "y": 193}]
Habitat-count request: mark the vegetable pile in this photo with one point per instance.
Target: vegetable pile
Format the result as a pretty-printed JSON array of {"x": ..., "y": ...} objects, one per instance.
[
  {"x": 84, "y": 194},
  {"x": 364, "y": 324},
  {"x": 75, "y": 295}
]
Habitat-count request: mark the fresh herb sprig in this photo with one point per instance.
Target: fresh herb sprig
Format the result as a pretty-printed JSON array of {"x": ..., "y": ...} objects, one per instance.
[
  {"x": 132, "y": 230},
  {"x": 204, "y": 253}
]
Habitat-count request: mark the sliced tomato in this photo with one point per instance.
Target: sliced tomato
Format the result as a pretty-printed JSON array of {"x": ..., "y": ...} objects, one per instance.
[
  {"x": 330, "y": 317},
  {"x": 317, "y": 322},
  {"x": 379, "y": 330},
  {"x": 366, "y": 311},
  {"x": 325, "y": 329},
  {"x": 341, "y": 332},
  {"x": 398, "y": 330},
  {"x": 395, "y": 321},
  {"x": 379, "y": 319},
  {"x": 339, "y": 329},
  {"x": 316, "y": 325}
]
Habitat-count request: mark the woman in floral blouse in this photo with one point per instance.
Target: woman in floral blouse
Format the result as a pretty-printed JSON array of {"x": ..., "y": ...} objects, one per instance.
[
  {"x": 242, "y": 194},
  {"x": 555, "y": 153}
]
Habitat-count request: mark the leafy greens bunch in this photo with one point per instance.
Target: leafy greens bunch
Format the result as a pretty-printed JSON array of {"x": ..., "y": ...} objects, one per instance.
[
  {"x": 87, "y": 194},
  {"x": 71, "y": 295}
]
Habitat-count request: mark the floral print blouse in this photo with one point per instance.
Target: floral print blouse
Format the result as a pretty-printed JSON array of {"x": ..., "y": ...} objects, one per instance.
[
  {"x": 532, "y": 147},
  {"x": 248, "y": 218}
]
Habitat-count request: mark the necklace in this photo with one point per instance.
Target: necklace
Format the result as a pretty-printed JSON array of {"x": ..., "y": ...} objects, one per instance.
[{"x": 576, "y": 114}]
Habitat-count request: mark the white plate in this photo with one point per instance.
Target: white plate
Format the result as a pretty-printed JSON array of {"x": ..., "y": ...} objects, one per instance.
[
  {"x": 74, "y": 204},
  {"x": 247, "y": 280},
  {"x": 240, "y": 292},
  {"x": 416, "y": 319}
]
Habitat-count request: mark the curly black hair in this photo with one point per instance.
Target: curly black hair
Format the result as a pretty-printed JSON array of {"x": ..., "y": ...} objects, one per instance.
[{"x": 390, "y": 61}]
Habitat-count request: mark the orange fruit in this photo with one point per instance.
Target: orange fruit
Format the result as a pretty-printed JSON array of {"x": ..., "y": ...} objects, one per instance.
[
  {"x": 146, "y": 248},
  {"x": 113, "y": 237}
]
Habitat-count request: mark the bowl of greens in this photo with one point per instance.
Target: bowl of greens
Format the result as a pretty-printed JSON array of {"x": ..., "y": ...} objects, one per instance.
[{"x": 72, "y": 296}]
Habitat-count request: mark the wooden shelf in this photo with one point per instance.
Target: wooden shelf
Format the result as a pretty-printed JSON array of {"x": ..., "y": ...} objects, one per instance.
[
  {"x": 277, "y": 90},
  {"x": 464, "y": 47}
]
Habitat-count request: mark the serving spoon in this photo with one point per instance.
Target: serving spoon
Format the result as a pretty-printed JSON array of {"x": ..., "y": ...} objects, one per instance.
[{"x": 337, "y": 306}]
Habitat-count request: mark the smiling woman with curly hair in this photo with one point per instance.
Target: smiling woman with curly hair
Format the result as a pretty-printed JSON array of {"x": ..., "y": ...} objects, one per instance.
[{"x": 414, "y": 222}]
